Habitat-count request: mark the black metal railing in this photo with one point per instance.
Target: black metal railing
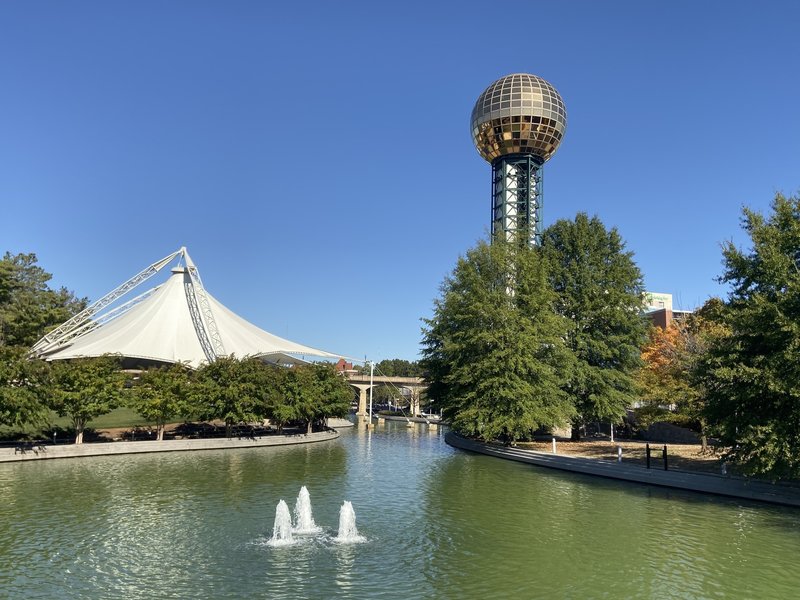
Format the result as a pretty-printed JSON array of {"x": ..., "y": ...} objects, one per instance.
[{"x": 663, "y": 456}]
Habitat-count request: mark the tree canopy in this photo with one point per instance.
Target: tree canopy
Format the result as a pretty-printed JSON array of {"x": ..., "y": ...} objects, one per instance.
[
  {"x": 231, "y": 390},
  {"x": 22, "y": 385},
  {"x": 311, "y": 393},
  {"x": 247, "y": 390},
  {"x": 161, "y": 393},
  {"x": 85, "y": 388},
  {"x": 662, "y": 378},
  {"x": 393, "y": 367},
  {"x": 493, "y": 351},
  {"x": 600, "y": 292},
  {"x": 28, "y": 306},
  {"x": 751, "y": 372},
  {"x": 669, "y": 386}
]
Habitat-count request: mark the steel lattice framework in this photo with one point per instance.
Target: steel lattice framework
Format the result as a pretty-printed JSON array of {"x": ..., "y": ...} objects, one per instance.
[
  {"x": 96, "y": 314},
  {"x": 517, "y": 198}
]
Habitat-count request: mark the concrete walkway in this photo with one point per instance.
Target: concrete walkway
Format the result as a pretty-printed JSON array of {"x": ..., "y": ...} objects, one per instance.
[
  {"x": 736, "y": 487},
  {"x": 25, "y": 452}
]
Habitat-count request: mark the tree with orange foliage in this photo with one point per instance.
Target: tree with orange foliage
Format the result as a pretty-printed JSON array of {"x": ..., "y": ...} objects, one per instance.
[
  {"x": 663, "y": 381},
  {"x": 668, "y": 384}
]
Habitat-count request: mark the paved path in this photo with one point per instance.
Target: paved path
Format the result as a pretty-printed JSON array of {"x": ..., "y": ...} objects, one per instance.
[
  {"x": 25, "y": 452},
  {"x": 736, "y": 487}
]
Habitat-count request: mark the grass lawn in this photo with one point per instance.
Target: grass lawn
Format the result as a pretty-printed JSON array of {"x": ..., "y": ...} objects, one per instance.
[{"x": 119, "y": 417}]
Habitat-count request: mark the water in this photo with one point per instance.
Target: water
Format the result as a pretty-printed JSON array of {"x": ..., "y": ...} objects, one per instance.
[
  {"x": 304, "y": 521},
  {"x": 438, "y": 523}
]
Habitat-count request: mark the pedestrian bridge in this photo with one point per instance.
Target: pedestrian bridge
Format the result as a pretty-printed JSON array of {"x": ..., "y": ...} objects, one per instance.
[{"x": 362, "y": 383}]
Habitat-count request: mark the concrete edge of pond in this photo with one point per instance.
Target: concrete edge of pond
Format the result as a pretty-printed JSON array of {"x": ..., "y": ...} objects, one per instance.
[
  {"x": 48, "y": 452},
  {"x": 408, "y": 419},
  {"x": 735, "y": 487},
  {"x": 337, "y": 423}
]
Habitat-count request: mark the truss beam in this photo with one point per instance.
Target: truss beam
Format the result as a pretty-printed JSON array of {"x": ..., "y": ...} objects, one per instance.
[
  {"x": 517, "y": 198},
  {"x": 65, "y": 331}
]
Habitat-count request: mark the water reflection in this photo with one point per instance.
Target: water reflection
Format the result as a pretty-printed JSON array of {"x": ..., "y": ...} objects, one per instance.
[
  {"x": 573, "y": 536},
  {"x": 439, "y": 523}
]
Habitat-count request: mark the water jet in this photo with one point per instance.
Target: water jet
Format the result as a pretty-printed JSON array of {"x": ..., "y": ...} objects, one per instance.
[
  {"x": 303, "y": 520},
  {"x": 348, "y": 533},
  {"x": 282, "y": 529}
]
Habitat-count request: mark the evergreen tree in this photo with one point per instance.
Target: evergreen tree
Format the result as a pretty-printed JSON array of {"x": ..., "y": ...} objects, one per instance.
[
  {"x": 493, "y": 352},
  {"x": 752, "y": 368},
  {"x": 28, "y": 306},
  {"x": 397, "y": 367},
  {"x": 600, "y": 292},
  {"x": 22, "y": 382}
]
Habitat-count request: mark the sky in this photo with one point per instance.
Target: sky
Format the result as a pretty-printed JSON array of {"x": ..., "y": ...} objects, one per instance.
[{"x": 315, "y": 157}]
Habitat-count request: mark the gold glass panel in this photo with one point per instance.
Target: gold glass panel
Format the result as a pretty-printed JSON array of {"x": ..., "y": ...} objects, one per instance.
[{"x": 526, "y": 98}]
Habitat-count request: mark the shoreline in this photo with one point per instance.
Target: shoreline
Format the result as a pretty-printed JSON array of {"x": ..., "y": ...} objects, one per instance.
[
  {"x": 25, "y": 452},
  {"x": 720, "y": 485}
]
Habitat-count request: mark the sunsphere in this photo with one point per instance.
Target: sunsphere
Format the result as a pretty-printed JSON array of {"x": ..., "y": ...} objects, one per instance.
[
  {"x": 519, "y": 114},
  {"x": 517, "y": 124}
]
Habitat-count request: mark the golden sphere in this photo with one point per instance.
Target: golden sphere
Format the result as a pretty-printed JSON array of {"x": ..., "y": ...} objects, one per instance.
[{"x": 518, "y": 114}]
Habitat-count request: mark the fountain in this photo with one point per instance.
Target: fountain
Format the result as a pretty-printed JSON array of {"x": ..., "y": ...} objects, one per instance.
[
  {"x": 303, "y": 521},
  {"x": 282, "y": 530},
  {"x": 348, "y": 534}
]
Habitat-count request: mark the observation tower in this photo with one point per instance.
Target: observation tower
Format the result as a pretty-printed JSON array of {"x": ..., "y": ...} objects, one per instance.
[{"x": 517, "y": 124}]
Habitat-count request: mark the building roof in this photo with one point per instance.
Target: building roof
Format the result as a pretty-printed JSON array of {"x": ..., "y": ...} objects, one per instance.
[{"x": 162, "y": 327}]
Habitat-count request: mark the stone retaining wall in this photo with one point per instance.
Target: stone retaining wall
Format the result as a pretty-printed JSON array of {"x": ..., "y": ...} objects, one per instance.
[
  {"x": 668, "y": 433},
  {"x": 737, "y": 487},
  {"x": 25, "y": 452}
]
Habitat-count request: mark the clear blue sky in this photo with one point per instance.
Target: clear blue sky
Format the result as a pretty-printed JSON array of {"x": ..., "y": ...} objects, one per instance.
[{"x": 315, "y": 157}]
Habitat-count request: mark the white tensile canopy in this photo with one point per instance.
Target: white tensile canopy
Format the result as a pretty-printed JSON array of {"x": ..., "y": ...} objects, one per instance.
[{"x": 177, "y": 321}]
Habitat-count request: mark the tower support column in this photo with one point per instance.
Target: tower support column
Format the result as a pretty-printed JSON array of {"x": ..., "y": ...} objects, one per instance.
[{"x": 517, "y": 198}]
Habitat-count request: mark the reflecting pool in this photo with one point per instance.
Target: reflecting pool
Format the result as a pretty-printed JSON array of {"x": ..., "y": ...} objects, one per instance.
[{"x": 438, "y": 523}]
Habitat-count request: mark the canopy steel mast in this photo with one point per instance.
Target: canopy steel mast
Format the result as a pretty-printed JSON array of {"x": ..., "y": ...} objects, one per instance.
[{"x": 202, "y": 317}]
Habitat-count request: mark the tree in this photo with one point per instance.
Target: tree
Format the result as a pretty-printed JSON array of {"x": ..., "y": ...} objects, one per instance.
[
  {"x": 311, "y": 393},
  {"x": 383, "y": 394},
  {"x": 231, "y": 390},
  {"x": 600, "y": 292},
  {"x": 21, "y": 385},
  {"x": 84, "y": 389},
  {"x": 752, "y": 368},
  {"x": 393, "y": 367},
  {"x": 160, "y": 394},
  {"x": 668, "y": 389},
  {"x": 493, "y": 352},
  {"x": 335, "y": 394},
  {"x": 397, "y": 367},
  {"x": 662, "y": 379},
  {"x": 28, "y": 307}
]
